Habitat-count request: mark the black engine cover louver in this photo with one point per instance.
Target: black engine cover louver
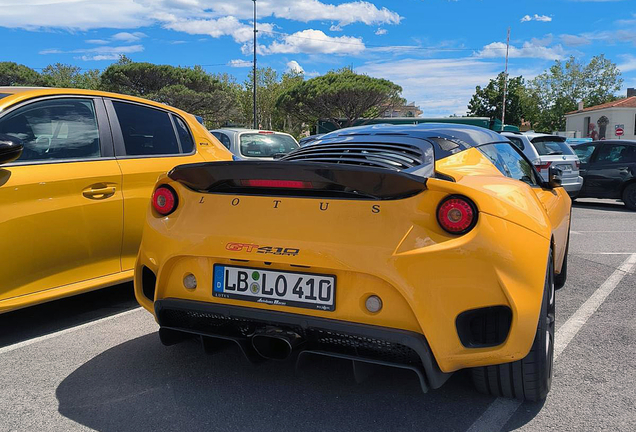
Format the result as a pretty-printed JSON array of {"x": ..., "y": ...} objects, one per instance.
[{"x": 382, "y": 155}]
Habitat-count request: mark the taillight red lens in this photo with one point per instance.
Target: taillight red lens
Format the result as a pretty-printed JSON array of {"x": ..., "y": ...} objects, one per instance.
[
  {"x": 578, "y": 164},
  {"x": 542, "y": 166},
  {"x": 457, "y": 214},
  {"x": 164, "y": 200},
  {"x": 288, "y": 184}
]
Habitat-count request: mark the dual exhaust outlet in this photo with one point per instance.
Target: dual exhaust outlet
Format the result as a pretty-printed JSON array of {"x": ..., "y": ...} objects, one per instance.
[{"x": 274, "y": 343}]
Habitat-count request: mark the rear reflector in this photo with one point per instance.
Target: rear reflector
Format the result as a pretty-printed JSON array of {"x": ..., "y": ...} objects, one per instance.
[
  {"x": 542, "y": 166},
  {"x": 457, "y": 214},
  {"x": 164, "y": 200},
  {"x": 287, "y": 184}
]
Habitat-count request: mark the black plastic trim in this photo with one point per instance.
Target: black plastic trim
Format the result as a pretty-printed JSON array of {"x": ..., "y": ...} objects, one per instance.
[
  {"x": 417, "y": 342},
  {"x": 327, "y": 180}
]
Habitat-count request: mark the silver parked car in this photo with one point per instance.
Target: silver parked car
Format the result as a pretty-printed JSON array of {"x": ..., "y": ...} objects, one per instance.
[
  {"x": 254, "y": 143},
  {"x": 546, "y": 151}
]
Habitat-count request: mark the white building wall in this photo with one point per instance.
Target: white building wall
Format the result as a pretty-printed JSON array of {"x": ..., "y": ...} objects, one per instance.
[{"x": 624, "y": 116}]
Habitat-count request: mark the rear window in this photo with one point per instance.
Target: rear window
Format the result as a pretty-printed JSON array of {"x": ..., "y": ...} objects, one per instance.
[
  {"x": 266, "y": 145},
  {"x": 547, "y": 146},
  {"x": 2, "y": 95}
]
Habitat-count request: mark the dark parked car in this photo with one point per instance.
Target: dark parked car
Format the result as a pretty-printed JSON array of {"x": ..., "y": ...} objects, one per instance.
[{"x": 609, "y": 170}]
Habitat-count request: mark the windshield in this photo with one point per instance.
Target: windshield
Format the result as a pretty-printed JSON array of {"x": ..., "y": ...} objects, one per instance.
[
  {"x": 266, "y": 145},
  {"x": 551, "y": 146}
]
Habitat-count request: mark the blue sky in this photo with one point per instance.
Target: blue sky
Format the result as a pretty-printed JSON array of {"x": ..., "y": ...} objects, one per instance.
[{"x": 437, "y": 50}]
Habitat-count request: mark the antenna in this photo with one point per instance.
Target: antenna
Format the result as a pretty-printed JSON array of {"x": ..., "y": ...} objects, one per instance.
[
  {"x": 503, "y": 106},
  {"x": 255, "y": 31}
]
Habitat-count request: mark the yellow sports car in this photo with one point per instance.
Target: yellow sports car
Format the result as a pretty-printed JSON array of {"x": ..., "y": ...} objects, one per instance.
[
  {"x": 77, "y": 170},
  {"x": 428, "y": 247}
]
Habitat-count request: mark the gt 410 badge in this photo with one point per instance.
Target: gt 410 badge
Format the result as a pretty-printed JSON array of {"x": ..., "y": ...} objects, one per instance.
[{"x": 251, "y": 247}]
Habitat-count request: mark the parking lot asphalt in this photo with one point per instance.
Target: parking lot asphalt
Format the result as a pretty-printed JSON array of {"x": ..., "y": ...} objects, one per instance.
[{"x": 94, "y": 362}]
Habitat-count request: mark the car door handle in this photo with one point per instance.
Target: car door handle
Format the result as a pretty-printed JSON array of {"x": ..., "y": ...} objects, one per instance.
[{"x": 99, "y": 191}]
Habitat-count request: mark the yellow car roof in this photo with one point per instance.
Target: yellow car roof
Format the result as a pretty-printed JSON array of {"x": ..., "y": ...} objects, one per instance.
[{"x": 19, "y": 94}]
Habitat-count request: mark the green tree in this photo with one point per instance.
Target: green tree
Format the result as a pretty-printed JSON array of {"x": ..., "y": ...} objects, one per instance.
[
  {"x": 487, "y": 101},
  {"x": 13, "y": 74},
  {"x": 190, "y": 89},
  {"x": 341, "y": 96},
  {"x": 68, "y": 76},
  {"x": 559, "y": 89}
]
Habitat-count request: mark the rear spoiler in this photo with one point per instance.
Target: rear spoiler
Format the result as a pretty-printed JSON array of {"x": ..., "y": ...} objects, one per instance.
[{"x": 307, "y": 179}]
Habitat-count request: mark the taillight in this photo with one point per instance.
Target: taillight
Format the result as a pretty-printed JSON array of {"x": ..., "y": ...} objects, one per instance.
[
  {"x": 457, "y": 214},
  {"x": 164, "y": 200},
  {"x": 542, "y": 166},
  {"x": 578, "y": 164},
  {"x": 285, "y": 184}
]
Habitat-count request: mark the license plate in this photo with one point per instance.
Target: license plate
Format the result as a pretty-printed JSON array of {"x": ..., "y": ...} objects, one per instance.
[
  {"x": 304, "y": 290},
  {"x": 565, "y": 167}
]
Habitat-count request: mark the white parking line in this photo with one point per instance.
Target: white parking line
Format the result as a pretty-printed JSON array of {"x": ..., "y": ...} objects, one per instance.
[
  {"x": 501, "y": 410},
  {"x": 18, "y": 345}
]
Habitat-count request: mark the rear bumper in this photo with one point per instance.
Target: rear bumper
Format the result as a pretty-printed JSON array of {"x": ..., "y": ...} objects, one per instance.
[
  {"x": 424, "y": 286},
  {"x": 372, "y": 344},
  {"x": 573, "y": 185}
]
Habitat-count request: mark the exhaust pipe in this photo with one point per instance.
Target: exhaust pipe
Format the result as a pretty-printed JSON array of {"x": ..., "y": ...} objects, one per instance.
[{"x": 275, "y": 343}]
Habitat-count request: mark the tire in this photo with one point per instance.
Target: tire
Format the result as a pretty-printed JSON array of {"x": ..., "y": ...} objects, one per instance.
[
  {"x": 531, "y": 377},
  {"x": 629, "y": 196},
  {"x": 561, "y": 278}
]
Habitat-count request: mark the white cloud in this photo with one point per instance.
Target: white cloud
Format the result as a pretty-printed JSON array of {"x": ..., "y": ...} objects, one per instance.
[
  {"x": 335, "y": 28},
  {"x": 293, "y": 66},
  {"x": 533, "y": 49},
  {"x": 380, "y": 32},
  {"x": 574, "y": 40},
  {"x": 314, "y": 42},
  {"x": 536, "y": 17},
  {"x": 97, "y": 41},
  {"x": 628, "y": 64},
  {"x": 128, "y": 37},
  {"x": 226, "y": 26},
  {"x": 98, "y": 53},
  {"x": 440, "y": 87},
  {"x": 239, "y": 63},
  {"x": 74, "y": 14},
  {"x": 125, "y": 14}
]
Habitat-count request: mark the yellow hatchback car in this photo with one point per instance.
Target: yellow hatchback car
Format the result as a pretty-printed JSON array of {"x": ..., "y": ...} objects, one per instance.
[
  {"x": 77, "y": 170},
  {"x": 428, "y": 247}
]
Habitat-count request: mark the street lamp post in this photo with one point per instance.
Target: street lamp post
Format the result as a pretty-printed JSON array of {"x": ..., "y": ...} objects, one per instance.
[{"x": 255, "y": 31}]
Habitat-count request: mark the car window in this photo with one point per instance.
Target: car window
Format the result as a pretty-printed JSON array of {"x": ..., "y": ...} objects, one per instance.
[
  {"x": 584, "y": 152},
  {"x": 187, "y": 144},
  {"x": 551, "y": 146},
  {"x": 55, "y": 129},
  {"x": 517, "y": 141},
  {"x": 266, "y": 145},
  {"x": 225, "y": 140},
  {"x": 510, "y": 162},
  {"x": 146, "y": 131},
  {"x": 3, "y": 95},
  {"x": 616, "y": 153}
]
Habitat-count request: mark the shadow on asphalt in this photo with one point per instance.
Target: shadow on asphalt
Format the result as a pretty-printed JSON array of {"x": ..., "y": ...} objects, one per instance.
[
  {"x": 617, "y": 206},
  {"x": 143, "y": 386},
  {"x": 35, "y": 321}
]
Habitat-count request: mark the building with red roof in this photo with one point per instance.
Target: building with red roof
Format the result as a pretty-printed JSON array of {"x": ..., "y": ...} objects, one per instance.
[{"x": 605, "y": 121}]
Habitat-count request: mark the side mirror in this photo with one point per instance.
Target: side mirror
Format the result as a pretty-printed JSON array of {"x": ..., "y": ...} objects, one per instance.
[
  {"x": 10, "y": 148},
  {"x": 555, "y": 177}
]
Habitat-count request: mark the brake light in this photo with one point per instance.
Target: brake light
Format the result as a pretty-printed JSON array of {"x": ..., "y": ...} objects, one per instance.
[
  {"x": 164, "y": 200},
  {"x": 265, "y": 132},
  {"x": 542, "y": 166},
  {"x": 578, "y": 164},
  {"x": 457, "y": 214},
  {"x": 285, "y": 184}
]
